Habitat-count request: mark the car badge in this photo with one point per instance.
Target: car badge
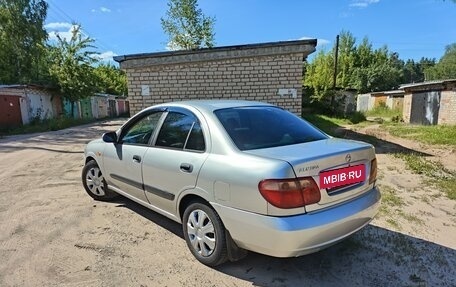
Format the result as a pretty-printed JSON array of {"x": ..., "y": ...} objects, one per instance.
[{"x": 348, "y": 157}]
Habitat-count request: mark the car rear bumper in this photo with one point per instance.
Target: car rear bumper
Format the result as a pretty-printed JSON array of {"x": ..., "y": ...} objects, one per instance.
[{"x": 301, "y": 234}]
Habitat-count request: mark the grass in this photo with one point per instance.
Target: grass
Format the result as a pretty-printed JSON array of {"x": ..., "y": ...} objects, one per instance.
[
  {"x": 441, "y": 177},
  {"x": 330, "y": 124},
  {"x": 391, "y": 204},
  {"x": 436, "y": 134},
  {"x": 392, "y": 208},
  {"x": 411, "y": 218},
  {"x": 390, "y": 198},
  {"x": 44, "y": 125},
  {"x": 384, "y": 112},
  {"x": 418, "y": 164}
]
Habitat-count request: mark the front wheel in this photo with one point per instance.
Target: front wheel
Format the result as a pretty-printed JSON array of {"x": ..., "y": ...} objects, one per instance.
[
  {"x": 205, "y": 234},
  {"x": 94, "y": 182}
]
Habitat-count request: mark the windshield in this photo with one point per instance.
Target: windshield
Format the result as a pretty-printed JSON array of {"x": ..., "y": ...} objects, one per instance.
[{"x": 265, "y": 127}]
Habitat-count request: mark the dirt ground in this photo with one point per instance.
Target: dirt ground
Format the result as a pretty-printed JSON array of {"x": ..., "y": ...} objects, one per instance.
[{"x": 53, "y": 234}]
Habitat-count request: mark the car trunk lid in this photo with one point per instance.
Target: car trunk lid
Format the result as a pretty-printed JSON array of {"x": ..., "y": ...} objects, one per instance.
[{"x": 328, "y": 162}]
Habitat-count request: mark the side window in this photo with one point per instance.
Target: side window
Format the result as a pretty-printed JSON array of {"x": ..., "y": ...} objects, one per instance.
[
  {"x": 196, "y": 139},
  {"x": 141, "y": 131},
  {"x": 181, "y": 131}
]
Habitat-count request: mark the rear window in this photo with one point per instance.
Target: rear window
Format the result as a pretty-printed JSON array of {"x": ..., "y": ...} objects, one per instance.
[{"x": 265, "y": 127}]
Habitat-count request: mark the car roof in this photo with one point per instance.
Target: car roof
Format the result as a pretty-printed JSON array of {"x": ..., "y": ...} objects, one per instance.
[{"x": 212, "y": 105}]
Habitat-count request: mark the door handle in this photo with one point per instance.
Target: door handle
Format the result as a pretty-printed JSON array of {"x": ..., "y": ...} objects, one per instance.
[
  {"x": 137, "y": 158},
  {"x": 186, "y": 167}
]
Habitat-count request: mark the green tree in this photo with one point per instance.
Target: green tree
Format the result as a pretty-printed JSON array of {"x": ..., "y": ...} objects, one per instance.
[
  {"x": 319, "y": 74},
  {"x": 446, "y": 67},
  {"x": 414, "y": 71},
  {"x": 72, "y": 66},
  {"x": 346, "y": 60},
  {"x": 22, "y": 38},
  {"x": 111, "y": 80},
  {"x": 359, "y": 67},
  {"x": 187, "y": 26}
]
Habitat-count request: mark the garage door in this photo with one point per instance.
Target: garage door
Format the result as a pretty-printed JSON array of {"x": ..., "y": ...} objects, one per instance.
[{"x": 10, "y": 111}]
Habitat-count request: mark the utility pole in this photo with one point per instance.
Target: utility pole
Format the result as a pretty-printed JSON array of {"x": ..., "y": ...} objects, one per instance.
[{"x": 336, "y": 55}]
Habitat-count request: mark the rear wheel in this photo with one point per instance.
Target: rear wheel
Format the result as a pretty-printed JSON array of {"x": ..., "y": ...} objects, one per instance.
[
  {"x": 205, "y": 234},
  {"x": 94, "y": 182}
]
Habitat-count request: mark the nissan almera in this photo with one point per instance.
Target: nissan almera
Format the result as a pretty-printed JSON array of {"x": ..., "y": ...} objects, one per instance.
[{"x": 239, "y": 176}]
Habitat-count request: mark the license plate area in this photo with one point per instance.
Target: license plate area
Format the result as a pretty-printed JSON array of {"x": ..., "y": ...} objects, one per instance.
[{"x": 342, "y": 177}]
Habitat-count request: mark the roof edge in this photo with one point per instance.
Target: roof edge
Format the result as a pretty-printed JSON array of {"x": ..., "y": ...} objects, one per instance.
[
  {"x": 427, "y": 83},
  {"x": 122, "y": 58}
]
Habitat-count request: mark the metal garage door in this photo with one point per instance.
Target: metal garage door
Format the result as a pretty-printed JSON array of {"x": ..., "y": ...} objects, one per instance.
[{"x": 10, "y": 111}]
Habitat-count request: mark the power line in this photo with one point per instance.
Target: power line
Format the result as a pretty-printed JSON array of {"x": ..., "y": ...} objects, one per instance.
[{"x": 67, "y": 18}]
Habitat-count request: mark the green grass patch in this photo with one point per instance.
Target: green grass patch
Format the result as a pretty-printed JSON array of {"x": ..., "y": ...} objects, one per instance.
[
  {"x": 391, "y": 205},
  {"x": 419, "y": 165},
  {"x": 383, "y": 111},
  {"x": 437, "y": 134},
  {"x": 411, "y": 218},
  {"x": 330, "y": 124},
  {"x": 448, "y": 185},
  {"x": 390, "y": 198},
  {"x": 438, "y": 175},
  {"x": 44, "y": 125},
  {"x": 393, "y": 223}
]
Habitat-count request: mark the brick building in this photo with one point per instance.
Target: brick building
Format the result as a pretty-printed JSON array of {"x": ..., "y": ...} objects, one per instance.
[
  {"x": 267, "y": 72},
  {"x": 430, "y": 103}
]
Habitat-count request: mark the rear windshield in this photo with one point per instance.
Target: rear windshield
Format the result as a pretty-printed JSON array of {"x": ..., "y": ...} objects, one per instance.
[{"x": 265, "y": 127}]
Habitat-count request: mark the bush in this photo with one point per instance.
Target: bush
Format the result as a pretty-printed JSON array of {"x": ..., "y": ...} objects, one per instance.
[
  {"x": 382, "y": 111},
  {"x": 357, "y": 117}
]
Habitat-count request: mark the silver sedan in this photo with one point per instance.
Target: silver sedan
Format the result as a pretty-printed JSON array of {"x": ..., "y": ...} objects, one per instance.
[{"x": 239, "y": 176}]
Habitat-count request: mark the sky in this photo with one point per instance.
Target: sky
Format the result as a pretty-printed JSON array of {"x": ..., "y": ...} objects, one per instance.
[{"x": 412, "y": 28}]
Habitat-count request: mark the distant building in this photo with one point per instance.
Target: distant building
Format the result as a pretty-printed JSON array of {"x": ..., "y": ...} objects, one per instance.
[
  {"x": 267, "y": 72},
  {"x": 20, "y": 104},
  {"x": 391, "y": 99},
  {"x": 430, "y": 103}
]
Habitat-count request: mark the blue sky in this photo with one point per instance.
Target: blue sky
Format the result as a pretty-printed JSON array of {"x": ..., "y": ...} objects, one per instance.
[{"x": 413, "y": 28}]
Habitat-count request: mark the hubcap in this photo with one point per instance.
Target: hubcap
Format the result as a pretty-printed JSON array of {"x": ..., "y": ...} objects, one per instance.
[
  {"x": 201, "y": 232},
  {"x": 95, "y": 181}
]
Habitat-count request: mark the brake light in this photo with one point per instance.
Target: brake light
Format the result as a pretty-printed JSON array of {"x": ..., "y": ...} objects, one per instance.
[
  {"x": 373, "y": 171},
  {"x": 290, "y": 193}
]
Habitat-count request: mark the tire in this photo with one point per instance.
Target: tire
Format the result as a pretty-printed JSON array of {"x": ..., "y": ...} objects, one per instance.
[
  {"x": 205, "y": 234},
  {"x": 95, "y": 184}
]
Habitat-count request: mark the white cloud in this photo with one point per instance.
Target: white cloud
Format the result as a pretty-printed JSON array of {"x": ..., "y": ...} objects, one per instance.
[
  {"x": 362, "y": 3},
  {"x": 101, "y": 9},
  {"x": 320, "y": 42},
  {"x": 57, "y": 26},
  {"x": 105, "y": 10},
  {"x": 171, "y": 46},
  {"x": 60, "y": 29},
  {"x": 106, "y": 56}
]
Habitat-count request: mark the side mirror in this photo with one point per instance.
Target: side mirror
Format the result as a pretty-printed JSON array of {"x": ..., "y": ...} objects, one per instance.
[{"x": 110, "y": 137}]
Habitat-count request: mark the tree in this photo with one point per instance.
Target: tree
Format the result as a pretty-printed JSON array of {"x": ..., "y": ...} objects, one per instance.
[
  {"x": 347, "y": 59},
  {"x": 414, "y": 71},
  {"x": 318, "y": 75},
  {"x": 359, "y": 67},
  {"x": 72, "y": 67},
  {"x": 22, "y": 38},
  {"x": 111, "y": 80},
  {"x": 187, "y": 26},
  {"x": 446, "y": 67}
]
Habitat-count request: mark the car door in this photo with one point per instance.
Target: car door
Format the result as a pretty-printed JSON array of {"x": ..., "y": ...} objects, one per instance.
[
  {"x": 123, "y": 160},
  {"x": 172, "y": 164}
]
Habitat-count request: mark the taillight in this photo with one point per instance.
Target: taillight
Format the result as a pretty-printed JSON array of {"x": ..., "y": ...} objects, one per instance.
[
  {"x": 290, "y": 193},
  {"x": 373, "y": 171}
]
